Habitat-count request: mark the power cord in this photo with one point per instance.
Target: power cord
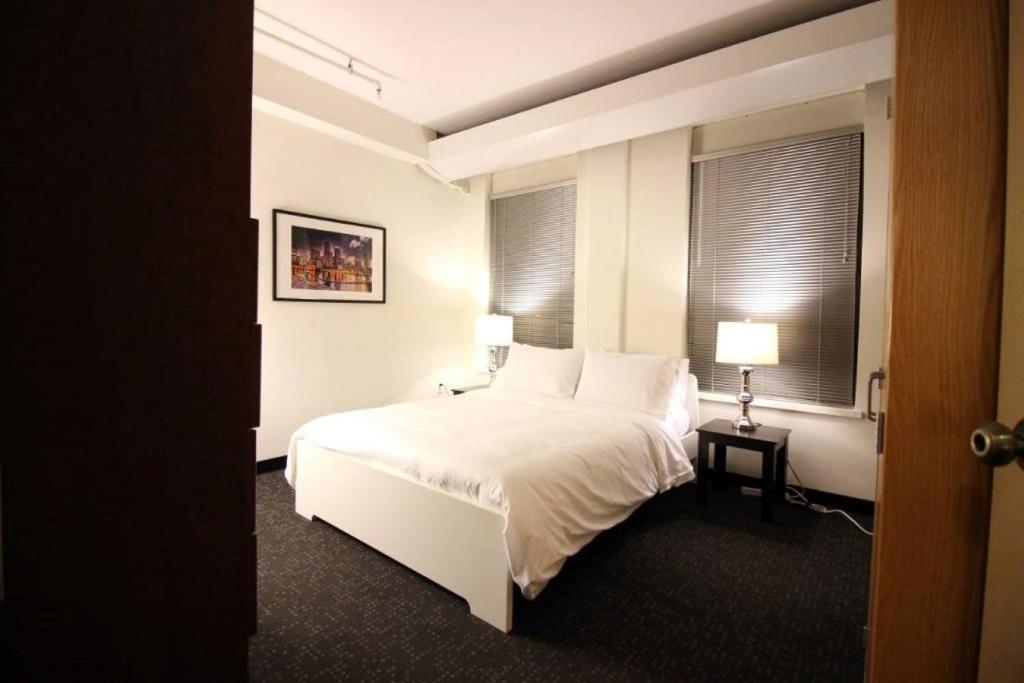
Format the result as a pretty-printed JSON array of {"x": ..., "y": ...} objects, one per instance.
[{"x": 797, "y": 495}]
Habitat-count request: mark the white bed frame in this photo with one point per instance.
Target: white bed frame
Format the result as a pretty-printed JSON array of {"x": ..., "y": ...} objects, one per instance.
[
  {"x": 450, "y": 540},
  {"x": 453, "y": 541}
]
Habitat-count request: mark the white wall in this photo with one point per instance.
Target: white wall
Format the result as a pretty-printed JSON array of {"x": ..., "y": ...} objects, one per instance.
[
  {"x": 602, "y": 210},
  {"x": 535, "y": 175},
  {"x": 658, "y": 244},
  {"x": 631, "y": 266},
  {"x": 827, "y": 113},
  {"x": 320, "y": 358},
  {"x": 633, "y": 207}
]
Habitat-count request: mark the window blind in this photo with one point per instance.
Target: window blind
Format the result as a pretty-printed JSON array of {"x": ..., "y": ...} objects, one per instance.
[
  {"x": 775, "y": 237},
  {"x": 532, "y": 262}
]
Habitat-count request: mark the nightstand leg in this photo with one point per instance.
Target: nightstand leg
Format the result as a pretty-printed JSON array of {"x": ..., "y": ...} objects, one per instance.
[
  {"x": 767, "y": 483},
  {"x": 702, "y": 471},
  {"x": 720, "y": 455},
  {"x": 781, "y": 458}
]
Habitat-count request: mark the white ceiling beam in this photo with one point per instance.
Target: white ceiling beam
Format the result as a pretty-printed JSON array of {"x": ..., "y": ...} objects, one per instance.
[
  {"x": 292, "y": 95},
  {"x": 830, "y": 55}
]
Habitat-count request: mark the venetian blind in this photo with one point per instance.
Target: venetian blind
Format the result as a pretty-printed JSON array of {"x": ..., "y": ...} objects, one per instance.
[
  {"x": 775, "y": 237},
  {"x": 532, "y": 260}
]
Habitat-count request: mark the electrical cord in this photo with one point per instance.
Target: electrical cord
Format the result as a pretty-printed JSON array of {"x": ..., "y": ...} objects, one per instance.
[{"x": 797, "y": 495}]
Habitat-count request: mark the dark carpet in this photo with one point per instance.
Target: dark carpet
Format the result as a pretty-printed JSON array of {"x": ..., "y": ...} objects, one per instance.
[{"x": 676, "y": 592}]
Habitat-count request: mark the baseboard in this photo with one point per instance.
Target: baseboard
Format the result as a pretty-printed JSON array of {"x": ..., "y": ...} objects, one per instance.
[
  {"x": 271, "y": 464},
  {"x": 831, "y": 500}
]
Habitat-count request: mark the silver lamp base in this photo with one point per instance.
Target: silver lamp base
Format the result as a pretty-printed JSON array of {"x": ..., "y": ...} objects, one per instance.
[
  {"x": 743, "y": 423},
  {"x": 492, "y": 367}
]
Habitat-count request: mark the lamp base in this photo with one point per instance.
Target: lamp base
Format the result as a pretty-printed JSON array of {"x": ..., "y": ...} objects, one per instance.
[
  {"x": 743, "y": 423},
  {"x": 492, "y": 366}
]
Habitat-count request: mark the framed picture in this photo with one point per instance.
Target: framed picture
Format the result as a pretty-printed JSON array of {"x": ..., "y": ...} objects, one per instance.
[{"x": 327, "y": 259}]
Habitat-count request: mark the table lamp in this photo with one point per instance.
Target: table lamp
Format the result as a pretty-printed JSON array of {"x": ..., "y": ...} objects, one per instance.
[
  {"x": 493, "y": 331},
  {"x": 747, "y": 344}
]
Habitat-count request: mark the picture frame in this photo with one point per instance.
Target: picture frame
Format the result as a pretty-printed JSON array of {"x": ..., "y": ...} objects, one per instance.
[{"x": 328, "y": 260}]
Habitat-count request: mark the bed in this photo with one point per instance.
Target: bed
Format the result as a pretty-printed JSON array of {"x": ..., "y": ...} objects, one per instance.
[{"x": 488, "y": 490}]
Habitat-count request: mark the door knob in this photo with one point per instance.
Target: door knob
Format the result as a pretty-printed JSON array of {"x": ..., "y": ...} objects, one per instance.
[{"x": 996, "y": 445}]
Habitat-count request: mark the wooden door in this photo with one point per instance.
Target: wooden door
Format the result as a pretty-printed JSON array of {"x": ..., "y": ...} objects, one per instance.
[
  {"x": 949, "y": 143},
  {"x": 1002, "y": 642},
  {"x": 129, "y": 302}
]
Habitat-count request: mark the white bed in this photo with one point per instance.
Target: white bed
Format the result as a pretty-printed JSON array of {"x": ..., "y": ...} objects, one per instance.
[{"x": 489, "y": 489}]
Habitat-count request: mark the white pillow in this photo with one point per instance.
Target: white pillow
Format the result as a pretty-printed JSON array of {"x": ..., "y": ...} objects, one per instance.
[
  {"x": 551, "y": 372},
  {"x": 630, "y": 380},
  {"x": 678, "y": 416}
]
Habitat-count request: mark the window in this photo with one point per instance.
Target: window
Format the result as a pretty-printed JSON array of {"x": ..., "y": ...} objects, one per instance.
[
  {"x": 532, "y": 252},
  {"x": 775, "y": 237}
]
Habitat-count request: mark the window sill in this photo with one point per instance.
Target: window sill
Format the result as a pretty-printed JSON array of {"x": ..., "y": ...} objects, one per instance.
[{"x": 851, "y": 413}]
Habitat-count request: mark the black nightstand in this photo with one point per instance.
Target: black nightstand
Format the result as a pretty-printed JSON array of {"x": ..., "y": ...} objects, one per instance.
[
  {"x": 771, "y": 442},
  {"x": 461, "y": 390}
]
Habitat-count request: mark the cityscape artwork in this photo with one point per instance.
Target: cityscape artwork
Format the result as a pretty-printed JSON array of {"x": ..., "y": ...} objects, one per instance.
[
  {"x": 331, "y": 261},
  {"x": 326, "y": 259}
]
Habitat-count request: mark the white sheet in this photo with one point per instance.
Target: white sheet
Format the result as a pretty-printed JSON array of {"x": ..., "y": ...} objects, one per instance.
[{"x": 560, "y": 471}]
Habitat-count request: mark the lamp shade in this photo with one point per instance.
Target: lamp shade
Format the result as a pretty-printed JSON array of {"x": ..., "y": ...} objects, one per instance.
[
  {"x": 747, "y": 344},
  {"x": 494, "y": 330}
]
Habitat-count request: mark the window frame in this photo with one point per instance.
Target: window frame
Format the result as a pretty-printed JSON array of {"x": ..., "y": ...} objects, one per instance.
[
  {"x": 489, "y": 245},
  {"x": 853, "y": 410}
]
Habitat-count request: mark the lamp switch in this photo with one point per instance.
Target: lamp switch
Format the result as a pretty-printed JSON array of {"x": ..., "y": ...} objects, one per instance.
[{"x": 750, "y": 491}]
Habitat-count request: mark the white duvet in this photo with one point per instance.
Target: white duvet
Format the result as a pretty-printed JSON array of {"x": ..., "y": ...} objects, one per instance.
[{"x": 561, "y": 471}]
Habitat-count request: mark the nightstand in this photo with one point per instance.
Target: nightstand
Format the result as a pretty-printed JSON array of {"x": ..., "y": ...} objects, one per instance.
[
  {"x": 771, "y": 442},
  {"x": 461, "y": 390}
]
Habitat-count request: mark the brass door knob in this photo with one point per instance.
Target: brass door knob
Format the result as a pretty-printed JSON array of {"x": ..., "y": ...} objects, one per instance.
[{"x": 995, "y": 444}]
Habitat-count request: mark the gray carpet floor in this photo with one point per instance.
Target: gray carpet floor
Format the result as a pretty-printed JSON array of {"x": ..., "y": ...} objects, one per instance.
[{"x": 675, "y": 593}]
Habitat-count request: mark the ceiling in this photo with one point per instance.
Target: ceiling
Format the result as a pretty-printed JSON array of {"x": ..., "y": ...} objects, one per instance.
[{"x": 450, "y": 65}]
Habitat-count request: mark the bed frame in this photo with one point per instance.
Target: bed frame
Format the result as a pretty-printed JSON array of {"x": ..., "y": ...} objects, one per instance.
[{"x": 451, "y": 540}]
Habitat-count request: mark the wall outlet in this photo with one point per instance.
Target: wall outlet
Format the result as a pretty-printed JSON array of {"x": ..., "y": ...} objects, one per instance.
[{"x": 750, "y": 491}]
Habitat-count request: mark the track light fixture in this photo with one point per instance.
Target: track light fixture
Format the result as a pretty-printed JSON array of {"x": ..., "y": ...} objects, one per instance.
[{"x": 348, "y": 64}]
